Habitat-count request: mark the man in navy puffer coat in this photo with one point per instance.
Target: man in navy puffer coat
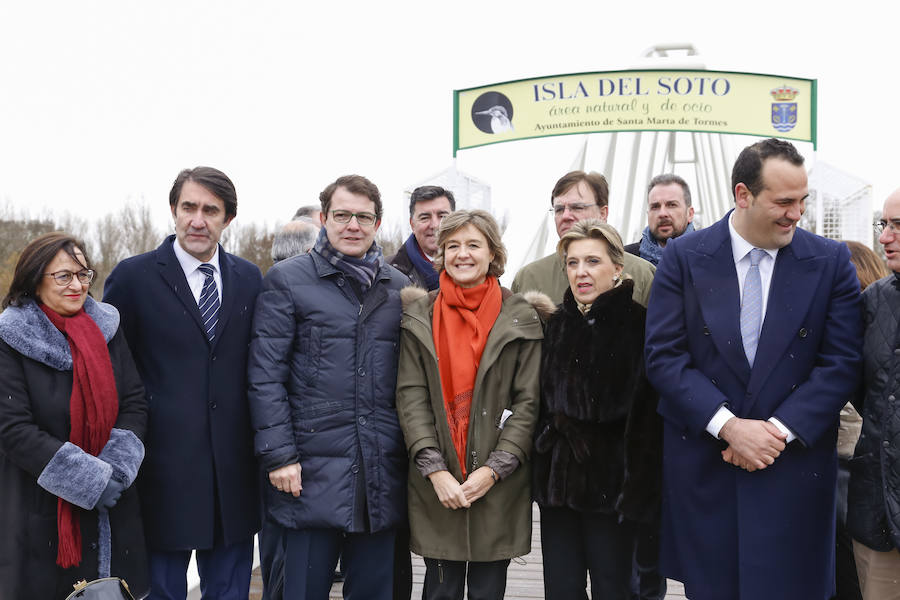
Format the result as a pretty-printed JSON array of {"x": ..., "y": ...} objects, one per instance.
[{"x": 322, "y": 373}]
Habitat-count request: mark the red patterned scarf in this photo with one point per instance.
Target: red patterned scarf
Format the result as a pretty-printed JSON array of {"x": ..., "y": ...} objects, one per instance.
[
  {"x": 93, "y": 408},
  {"x": 463, "y": 318}
]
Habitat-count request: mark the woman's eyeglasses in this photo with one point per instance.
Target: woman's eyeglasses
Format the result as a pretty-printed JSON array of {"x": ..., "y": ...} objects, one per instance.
[{"x": 65, "y": 277}]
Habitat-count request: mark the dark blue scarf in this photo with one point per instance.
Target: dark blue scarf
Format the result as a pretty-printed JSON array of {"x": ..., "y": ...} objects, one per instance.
[
  {"x": 364, "y": 270},
  {"x": 422, "y": 264},
  {"x": 650, "y": 249}
]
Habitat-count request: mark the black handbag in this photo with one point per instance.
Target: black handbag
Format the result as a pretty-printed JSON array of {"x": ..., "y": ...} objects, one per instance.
[{"x": 107, "y": 588}]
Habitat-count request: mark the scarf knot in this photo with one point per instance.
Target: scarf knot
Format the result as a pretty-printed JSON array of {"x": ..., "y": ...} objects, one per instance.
[{"x": 364, "y": 270}]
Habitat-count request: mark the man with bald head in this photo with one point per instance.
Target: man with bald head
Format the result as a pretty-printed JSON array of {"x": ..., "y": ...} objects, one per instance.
[
  {"x": 575, "y": 197},
  {"x": 873, "y": 504}
]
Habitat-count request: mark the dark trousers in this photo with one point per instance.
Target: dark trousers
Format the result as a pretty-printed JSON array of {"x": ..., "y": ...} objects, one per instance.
[
  {"x": 846, "y": 579},
  {"x": 447, "y": 579},
  {"x": 312, "y": 554},
  {"x": 402, "y": 565},
  {"x": 271, "y": 559},
  {"x": 271, "y": 562},
  {"x": 576, "y": 543},
  {"x": 646, "y": 582},
  {"x": 224, "y": 573}
]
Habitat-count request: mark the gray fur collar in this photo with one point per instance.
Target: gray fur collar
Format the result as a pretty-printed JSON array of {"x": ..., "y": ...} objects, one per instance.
[{"x": 28, "y": 331}]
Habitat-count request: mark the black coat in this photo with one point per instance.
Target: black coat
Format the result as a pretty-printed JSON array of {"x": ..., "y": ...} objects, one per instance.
[
  {"x": 598, "y": 442},
  {"x": 873, "y": 504},
  {"x": 404, "y": 264},
  {"x": 199, "y": 459},
  {"x": 34, "y": 424},
  {"x": 322, "y": 374}
]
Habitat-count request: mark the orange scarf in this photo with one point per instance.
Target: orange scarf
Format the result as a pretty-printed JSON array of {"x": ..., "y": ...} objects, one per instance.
[{"x": 463, "y": 318}]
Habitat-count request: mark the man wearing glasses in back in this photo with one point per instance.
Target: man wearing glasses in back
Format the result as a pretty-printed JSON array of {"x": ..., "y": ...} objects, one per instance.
[
  {"x": 322, "y": 374},
  {"x": 575, "y": 197},
  {"x": 873, "y": 500}
]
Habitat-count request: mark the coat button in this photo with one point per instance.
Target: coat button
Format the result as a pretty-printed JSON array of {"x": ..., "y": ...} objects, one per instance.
[
  {"x": 214, "y": 357},
  {"x": 886, "y": 444},
  {"x": 891, "y": 398},
  {"x": 705, "y": 330},
  {"x": 362, "y": 420},
  {"x": 897, "y": 352},
  {"x": 803, "y": 332},
  {"x": 213, "y": 405},
  {"x": 515, "y": 320},
  {"x": 354, "y": 469},
  {"x": 361, "y": 371},
  {"x": 340, "y": 282},
  {"x": 93, "y": 545}
]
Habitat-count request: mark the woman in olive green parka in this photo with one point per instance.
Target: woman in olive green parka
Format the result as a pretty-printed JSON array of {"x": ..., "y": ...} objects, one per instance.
[{"x": 495, "y": 526}]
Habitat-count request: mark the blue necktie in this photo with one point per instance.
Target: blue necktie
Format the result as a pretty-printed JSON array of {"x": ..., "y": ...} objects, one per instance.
[
  {"x": 751, "y": 306},
  {"x": 209, "y": 301}
]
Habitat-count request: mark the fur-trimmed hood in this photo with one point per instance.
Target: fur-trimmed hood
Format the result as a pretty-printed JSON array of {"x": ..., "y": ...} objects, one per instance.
[
  {"x": 538, "y": 300},
  {"x": 28, "y": 331}
]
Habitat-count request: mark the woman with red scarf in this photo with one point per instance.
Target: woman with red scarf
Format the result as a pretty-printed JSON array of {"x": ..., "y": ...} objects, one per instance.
[
  {"x": 72, "y": 414},
  {"x": 467, "y": 399}
]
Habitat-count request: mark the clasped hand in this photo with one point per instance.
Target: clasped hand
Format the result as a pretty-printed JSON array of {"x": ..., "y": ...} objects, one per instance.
[
  {"x": 752, "y": 444},
  {"x": 454, "y": 495}
]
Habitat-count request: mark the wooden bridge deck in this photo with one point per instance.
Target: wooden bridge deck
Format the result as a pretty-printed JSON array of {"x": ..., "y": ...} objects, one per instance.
[{"x": 524, "y": 582}]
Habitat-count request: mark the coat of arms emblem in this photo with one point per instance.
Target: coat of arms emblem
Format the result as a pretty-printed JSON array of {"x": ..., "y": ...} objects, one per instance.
[{"x": 784, "y": 112}]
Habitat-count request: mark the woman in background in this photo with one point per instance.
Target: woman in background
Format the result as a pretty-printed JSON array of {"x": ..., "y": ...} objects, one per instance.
[{"x": 72, "y": 414}]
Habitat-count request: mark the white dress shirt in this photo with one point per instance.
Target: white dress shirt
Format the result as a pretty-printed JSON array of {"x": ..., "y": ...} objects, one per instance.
[
  {"x": 191, "y": 267},
  {"x": 740, "y": 251}
]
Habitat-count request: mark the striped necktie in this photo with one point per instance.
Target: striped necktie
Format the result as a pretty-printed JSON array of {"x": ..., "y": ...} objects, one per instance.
[
  {"x": 209, "y": 301},
  {"x": 751, "y": 306}
]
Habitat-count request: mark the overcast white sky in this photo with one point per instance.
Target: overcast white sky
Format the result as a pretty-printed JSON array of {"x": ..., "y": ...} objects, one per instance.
[{"x": 104, "y": 101}]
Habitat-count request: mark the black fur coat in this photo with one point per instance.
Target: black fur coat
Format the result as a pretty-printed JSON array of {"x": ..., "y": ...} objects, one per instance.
[{"x": 598, "y": 444}]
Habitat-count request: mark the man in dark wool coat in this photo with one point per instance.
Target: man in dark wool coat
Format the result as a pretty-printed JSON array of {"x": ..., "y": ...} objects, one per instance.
[
  {"x": 753, "y": 342},
  {"x": 186, "y": 310}
]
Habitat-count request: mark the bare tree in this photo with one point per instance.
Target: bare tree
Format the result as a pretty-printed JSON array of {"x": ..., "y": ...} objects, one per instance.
[
  {"x": 137, "y": 226},
  {"x": 390, "y": 238},
  {"x": 250, "y": 241}
]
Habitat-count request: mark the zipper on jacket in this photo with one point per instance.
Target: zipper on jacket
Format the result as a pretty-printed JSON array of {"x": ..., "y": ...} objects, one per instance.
[
  {"x": 440, "y": 572},
  {"x": 474, "y": 460}
]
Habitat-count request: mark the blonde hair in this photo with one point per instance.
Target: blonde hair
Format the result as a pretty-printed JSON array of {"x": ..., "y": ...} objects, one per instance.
[
  {"x": 484, "y": 223},
  {"x": 593, "y": 229}
]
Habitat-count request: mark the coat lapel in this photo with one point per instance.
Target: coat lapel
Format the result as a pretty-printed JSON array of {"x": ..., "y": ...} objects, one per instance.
[
  {"x": 794, "y": 283},
  {"x": 171, "y": 271},
  {"x": 376, "y": 296},
  {"x": 231, "y": 280},
  {"x": 717, "y": 290}
]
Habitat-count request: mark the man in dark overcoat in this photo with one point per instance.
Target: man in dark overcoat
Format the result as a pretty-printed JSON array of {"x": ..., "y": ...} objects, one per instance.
[
  {"x": 753, "y": 342},
  {"x": 186, "y": 310}
]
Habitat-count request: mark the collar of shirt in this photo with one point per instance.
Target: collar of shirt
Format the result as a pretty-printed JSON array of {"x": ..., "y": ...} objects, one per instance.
[
  {"x": 195, "y": 277},
  {"x": 740, "y": 252}
]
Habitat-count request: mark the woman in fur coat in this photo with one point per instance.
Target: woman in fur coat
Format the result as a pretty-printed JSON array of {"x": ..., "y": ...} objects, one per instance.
[
  {"x": 72, "y": 415},
  {"x": 597, "y": 460}
]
